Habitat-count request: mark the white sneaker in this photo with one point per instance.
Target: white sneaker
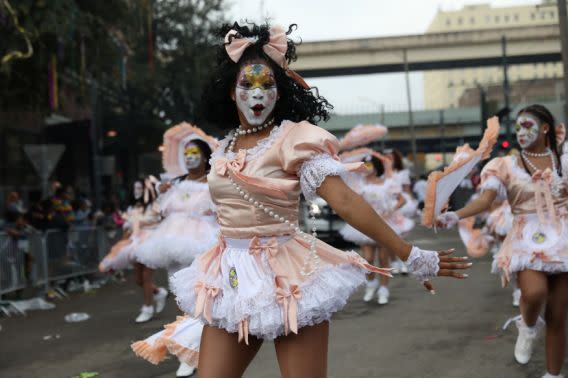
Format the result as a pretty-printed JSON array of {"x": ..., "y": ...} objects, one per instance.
[
  {"x": 160, "y": 299},
  {"x": 548, "y": 375},
  {"x": 146, "y": 313},
  {"x": 516, "y": 297},
  {"x": 403, "y": 268},
  {"x": 184, "y": 370},
  {"x": 395, "y": 267},
  {"x": 525, "y": 342},
  {"x": 383, "y": 295},
  {"x": 370, "y": 290}
]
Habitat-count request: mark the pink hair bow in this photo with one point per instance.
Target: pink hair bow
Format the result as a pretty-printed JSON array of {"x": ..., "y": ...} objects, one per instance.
[{"x": 276, "y": 48}]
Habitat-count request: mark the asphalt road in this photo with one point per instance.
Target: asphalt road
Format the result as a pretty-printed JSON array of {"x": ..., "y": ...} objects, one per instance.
[{"x": 456, "y": 333}]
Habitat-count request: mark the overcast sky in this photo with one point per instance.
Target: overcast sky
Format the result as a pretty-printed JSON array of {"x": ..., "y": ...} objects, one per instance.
[{"x": 341, "y": 19}]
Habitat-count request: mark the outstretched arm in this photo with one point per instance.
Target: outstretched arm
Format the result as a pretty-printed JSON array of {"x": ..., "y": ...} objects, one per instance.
[
  {"x": 479, "y": 205},
  {"x": 357, "y": 212}
]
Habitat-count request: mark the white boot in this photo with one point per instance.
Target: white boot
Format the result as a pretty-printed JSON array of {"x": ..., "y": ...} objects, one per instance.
[
  {"x": 184, "y": 370},
  {"x": 525, "y": 342},
  {"x": 383, "y": 295},
  {"x": 516, "y": 297},
  {"x": 370, "y": 290},
  {"x": 146, "y": 313},
  {"x": 160, "y": 299}
]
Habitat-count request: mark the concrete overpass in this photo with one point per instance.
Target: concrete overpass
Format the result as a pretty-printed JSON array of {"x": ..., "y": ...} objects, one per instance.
[{"x": 432, "y": 51}]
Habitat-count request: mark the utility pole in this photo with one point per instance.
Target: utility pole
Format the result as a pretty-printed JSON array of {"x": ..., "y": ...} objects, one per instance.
[
  {"x": 443, "y": 136},
  {"x": 563, "y": 25},
  {"x": 410, "y": 116},
  {"x": 383, "y": 123},
  {"x": 95, "y": 144},
  {"x": 506, "y": 87}
]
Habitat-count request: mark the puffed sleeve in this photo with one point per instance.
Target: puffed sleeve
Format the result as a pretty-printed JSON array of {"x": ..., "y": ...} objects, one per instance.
[
  {"x": 310, "y": 152},
  {"x": 495, "y": 176}
]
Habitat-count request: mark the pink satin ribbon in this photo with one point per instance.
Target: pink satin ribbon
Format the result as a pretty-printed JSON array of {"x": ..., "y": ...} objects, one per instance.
[
  {"x": 541, "y": 255},
  {"x": 355, "y": 259},
  {"x": 288, "y": 299},
  {"x": 204, "y": 302},
  {"x": 275, "y": 49},
  {"x": 213, "y": 257},
  {"x": 270, "y": 247},
  {"x": 543, "y": 181}
]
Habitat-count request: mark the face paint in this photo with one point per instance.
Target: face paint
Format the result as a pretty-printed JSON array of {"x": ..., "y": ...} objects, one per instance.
[
  {"x": 370, "y": 167},
  {"x": 192, "y": 155},
  {"x": 138, "y": 190},
  {"x": 256, "y": 93},
  {"x": 527, "y": 129}
]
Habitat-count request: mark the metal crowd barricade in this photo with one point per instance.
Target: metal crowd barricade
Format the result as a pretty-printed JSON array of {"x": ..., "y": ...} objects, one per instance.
[
  {"x": 72, "y": 253},
  {"x": 12, "y": 264}
]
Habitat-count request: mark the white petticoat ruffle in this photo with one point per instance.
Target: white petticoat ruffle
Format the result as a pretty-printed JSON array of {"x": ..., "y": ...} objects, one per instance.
[
  {"x": 351, "y": 234},
  {"x": 255, "y": 298},
  {"x": 177, "y": 241}
]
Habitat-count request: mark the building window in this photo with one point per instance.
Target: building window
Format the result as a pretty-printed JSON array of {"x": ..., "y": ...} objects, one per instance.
[
  {"x": 472, "y": 20},
  {"x": 460, "y": 21},
  {"x": 516, "y": 17},
  {"x": 487, "y": 19},
  {"x": 448, "y": 22},
  {"x": 542, "y": 15},
  {"x": 506, "y": 18},
  {"x": 497, "y": 19},
  {"x": 552, "y": 14},
  {"x": 533, "y": 16}
]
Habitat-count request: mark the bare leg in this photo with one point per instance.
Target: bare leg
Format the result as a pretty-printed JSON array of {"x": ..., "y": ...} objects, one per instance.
[
  {"x": 556, "y": 308},
  {"x": 149, "y": 288},
  {"x": 221, "y": 355},
  {"x": 369, "y": 255},
  {"x": 534, "y": 290},
  {"x": 304, "y": 355},
  {"x": 139, "y": 277},
  {"x": 384, "y": 262}
]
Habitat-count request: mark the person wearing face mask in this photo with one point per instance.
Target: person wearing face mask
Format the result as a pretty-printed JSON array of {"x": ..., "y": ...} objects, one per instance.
[
  {"x": 536, "y": 248},
  {"x": 141, "y": 219},
  {"x": 187, "y": 230},
  {"x": 379, "y": 188},
  {"x": 266, "y": 279}
]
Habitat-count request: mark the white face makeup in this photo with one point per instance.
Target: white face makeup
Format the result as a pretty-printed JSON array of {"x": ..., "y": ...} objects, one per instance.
[
  {"x": 256, "y": 93},
  {"x": 138, "y": 190},
  {"x": 192, "y": 155},
  {"x": 527, "y": 129}
]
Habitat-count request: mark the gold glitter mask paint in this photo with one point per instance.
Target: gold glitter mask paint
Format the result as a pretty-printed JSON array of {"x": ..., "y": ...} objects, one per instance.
[{"x": 256, "y": 76}]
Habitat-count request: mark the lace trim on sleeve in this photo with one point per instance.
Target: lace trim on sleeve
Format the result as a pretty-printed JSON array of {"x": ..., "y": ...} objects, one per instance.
[
  {"x": 315, "y": 170},
  {"x": 493, "y": 183}
]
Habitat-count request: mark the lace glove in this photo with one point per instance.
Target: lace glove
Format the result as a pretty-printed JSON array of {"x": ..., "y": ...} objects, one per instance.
[
  {"x": 447, "y": 220},
  {"x": 422, "y": 264}
]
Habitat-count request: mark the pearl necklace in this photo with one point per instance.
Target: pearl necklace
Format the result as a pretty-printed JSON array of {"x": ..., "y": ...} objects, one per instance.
[
  {"x": 312, "y": 261},
  {"x": 548, "y": 152},
  {"x": 525, "y": 157},
  {"x": 240, "y": 131}
]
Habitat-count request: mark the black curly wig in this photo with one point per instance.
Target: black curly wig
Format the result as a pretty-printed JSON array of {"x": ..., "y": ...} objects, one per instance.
[{"x": 295, "y": 103}]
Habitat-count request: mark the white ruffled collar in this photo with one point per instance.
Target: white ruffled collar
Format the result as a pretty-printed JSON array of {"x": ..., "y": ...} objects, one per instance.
[{"x": 252, "y": 153}]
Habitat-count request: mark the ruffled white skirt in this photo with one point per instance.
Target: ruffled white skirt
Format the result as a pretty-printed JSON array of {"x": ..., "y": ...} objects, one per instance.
[
  {"x": 181, "y": 338},
  {"x": 177, "y": 241},
  {"x": 243, "y": 297},
  {"x": 351, "y": 234}
]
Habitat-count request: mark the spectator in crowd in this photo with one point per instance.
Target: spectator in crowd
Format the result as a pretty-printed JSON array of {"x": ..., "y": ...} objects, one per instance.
[
  {"x": 83, "y": 212},
  {"x": 14, "y": 207},
  {"x": 19, "y": 232},
  {"x": 62, "y": 205}
]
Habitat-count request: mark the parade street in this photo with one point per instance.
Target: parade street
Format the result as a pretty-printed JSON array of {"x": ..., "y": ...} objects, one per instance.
[{"x": 456, "y": 333}]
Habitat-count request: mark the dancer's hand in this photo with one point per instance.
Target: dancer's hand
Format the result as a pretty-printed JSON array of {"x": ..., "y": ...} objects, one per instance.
[
  {"x": 424, "y": 265},
  {"x": 447, "y": 220},
  {"x": 165, "y": 186}
]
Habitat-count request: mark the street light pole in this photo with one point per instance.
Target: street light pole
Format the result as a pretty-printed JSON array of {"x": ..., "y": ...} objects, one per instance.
[
  {"x": 563, "y": 25},
  {"x": 410, "y": 116},
  {"x": 506, "y": 87}
]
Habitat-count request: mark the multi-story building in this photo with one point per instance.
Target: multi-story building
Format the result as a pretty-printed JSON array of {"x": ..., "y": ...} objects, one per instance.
[{"x": 444, "y": 88}]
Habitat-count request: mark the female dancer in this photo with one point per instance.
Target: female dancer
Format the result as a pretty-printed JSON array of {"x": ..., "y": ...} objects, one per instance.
[
  {"x": 188, "y": 229},
  {"x": 537, "y": 246},
  {"x": 266, "y": 279},
  {"x": 381, "y": 191},
  {"x": 142, "y": 217}
]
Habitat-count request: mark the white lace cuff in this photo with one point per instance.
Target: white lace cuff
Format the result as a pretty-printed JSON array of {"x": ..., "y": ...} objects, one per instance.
[
  {"x": 314, "y": 171},
  {"x": 422, "y": 264},
  {"x": 493, "y": 183}
]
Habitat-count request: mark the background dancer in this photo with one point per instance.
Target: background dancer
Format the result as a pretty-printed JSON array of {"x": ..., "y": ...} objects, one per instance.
[
  {"x": 188, "y": 229},
  {"x": 536, "y": 249}
]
